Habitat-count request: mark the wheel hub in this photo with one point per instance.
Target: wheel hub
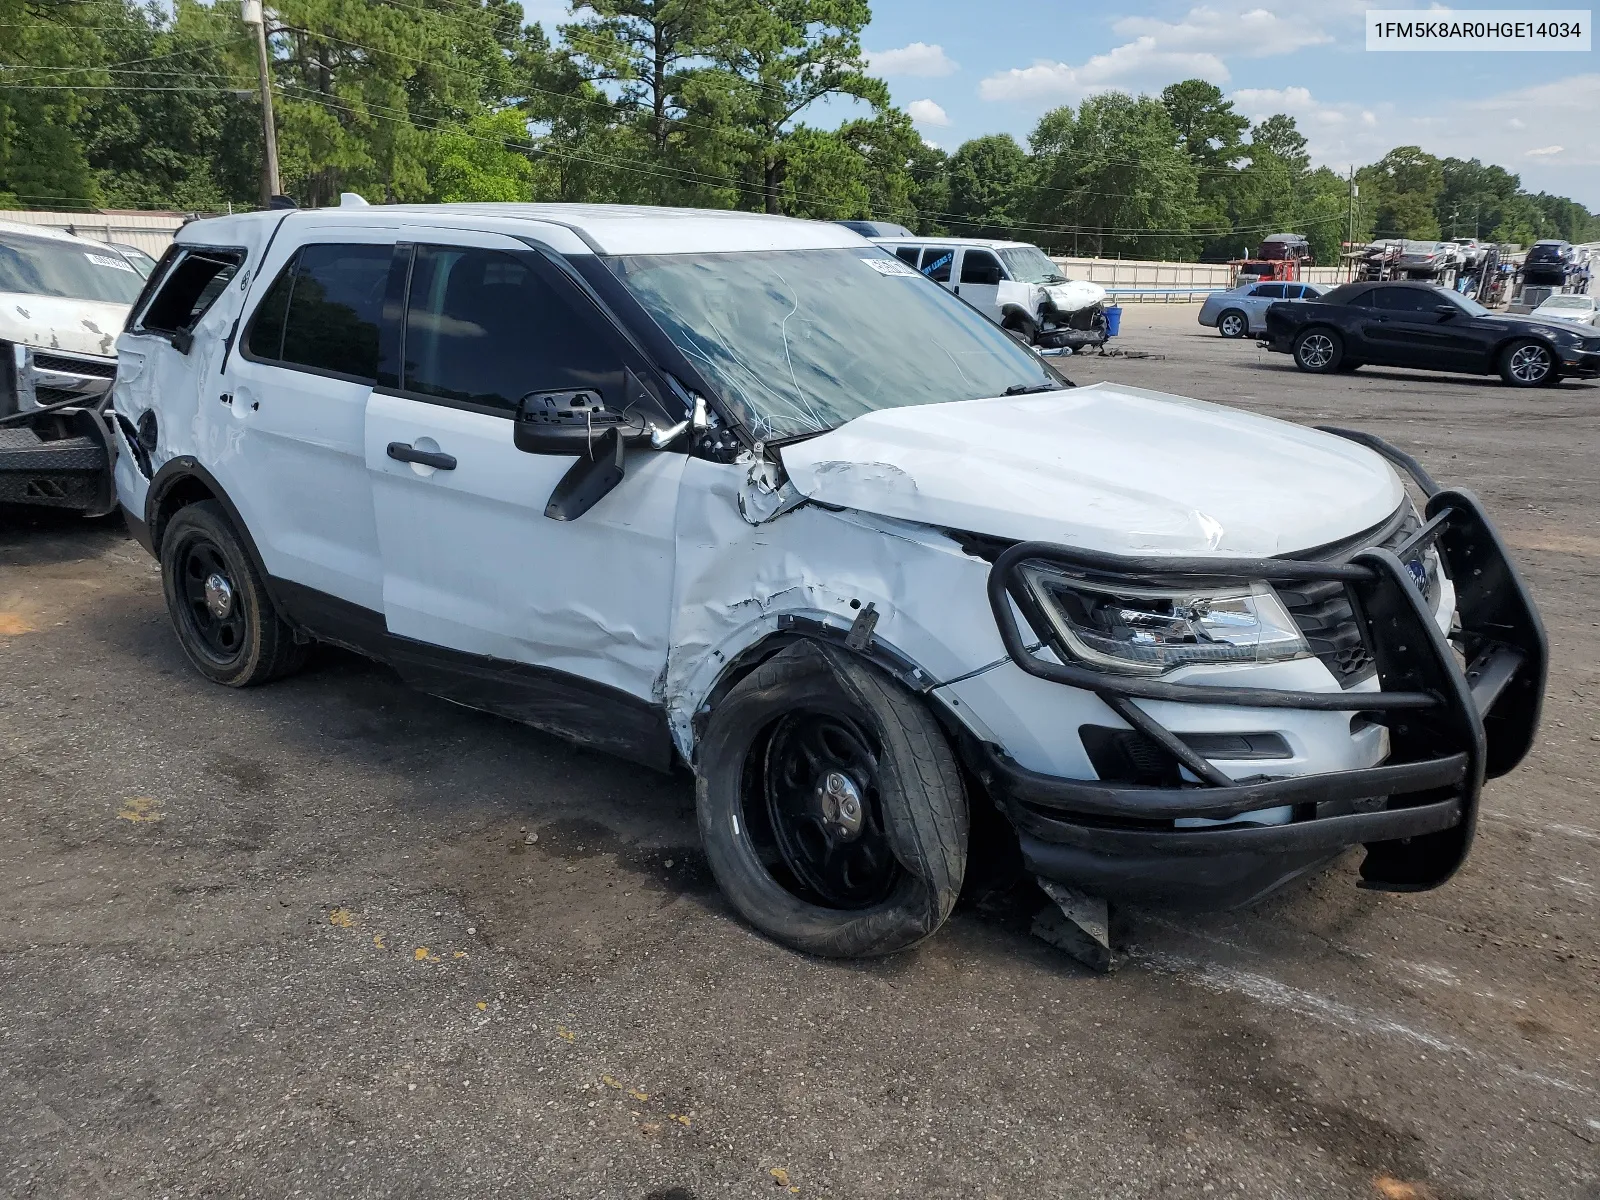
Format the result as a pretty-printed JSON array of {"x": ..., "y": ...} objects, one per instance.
[
  {"x": 840, "y": 801},
  {"x": 219, "y": 595}
]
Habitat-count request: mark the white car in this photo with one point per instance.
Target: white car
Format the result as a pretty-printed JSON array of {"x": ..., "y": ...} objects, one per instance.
[
  {"x": 1579, "y": 310},
  {"x": 1243, "y": 309},
  {"x": 685, "y": 486},
  {"x": 63, "y": 300},
  {"x": 1014, "y": 284}
]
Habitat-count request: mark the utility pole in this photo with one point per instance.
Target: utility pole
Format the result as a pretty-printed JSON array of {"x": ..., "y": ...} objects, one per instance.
[
  {"x": 271, "y": 185},
  {"x": 1350, "y": 238}
]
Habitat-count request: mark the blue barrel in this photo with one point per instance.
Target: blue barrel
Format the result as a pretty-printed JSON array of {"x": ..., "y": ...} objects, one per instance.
[{"x": 1113, "y": 320}]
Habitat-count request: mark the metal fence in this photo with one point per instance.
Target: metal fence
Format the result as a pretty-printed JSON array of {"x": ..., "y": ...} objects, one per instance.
[
  {"x": 1135, "y": 280},
  {"x": 151, "y": 232}
]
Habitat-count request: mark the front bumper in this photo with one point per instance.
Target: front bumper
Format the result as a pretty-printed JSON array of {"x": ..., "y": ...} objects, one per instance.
[
  {"x": 1449, "y": 728},
  {"x": 1585, "y": 364}
]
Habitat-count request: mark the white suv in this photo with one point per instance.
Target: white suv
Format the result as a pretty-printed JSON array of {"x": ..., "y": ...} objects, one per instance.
[{"x": 751, "y": 495}]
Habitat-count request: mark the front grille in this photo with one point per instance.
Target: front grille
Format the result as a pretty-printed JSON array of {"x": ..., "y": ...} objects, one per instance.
[
  {"x": 76, "y": 366},
  {"x": 1325, "y": 611}
]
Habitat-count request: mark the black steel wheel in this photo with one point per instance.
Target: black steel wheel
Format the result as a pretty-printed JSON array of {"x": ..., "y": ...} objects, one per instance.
[
  {"x": 821, "y": 799},
  {"x": 224, "y": 618},
  {"x": 1527, "y": 363},
  {"x": 831, "y": 807},
  {"x": 1233, "y": 324},
  {"x": 213, "y": 614}
]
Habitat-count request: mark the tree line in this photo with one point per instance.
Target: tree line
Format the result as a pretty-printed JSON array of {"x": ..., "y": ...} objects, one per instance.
[{"x": 713, "y": 103}]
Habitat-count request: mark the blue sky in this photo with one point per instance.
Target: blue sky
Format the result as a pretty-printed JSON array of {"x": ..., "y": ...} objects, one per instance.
[{"x": 969, "y": 67}]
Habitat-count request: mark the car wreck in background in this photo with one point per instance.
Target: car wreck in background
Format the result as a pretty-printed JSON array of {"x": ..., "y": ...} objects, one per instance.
[
  {"x": 63, "y": 301},
  {"x": 1015, "y": 285}
]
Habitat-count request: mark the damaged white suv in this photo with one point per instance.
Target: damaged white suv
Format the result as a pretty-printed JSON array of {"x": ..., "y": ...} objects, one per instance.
[{"x": 750, "y": 494}]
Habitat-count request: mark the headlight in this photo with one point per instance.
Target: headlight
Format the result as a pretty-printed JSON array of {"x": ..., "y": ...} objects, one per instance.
[{"x": 1148, "y": 632}]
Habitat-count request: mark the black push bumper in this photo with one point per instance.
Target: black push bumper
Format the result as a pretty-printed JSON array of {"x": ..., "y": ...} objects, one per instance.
[
  {"x": 1449, "y": 727},
  {"x": 57, "y": 459}
]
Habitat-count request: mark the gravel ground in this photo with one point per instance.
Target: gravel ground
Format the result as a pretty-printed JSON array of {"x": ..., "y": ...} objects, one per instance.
[{"x": 295, "y": 941}]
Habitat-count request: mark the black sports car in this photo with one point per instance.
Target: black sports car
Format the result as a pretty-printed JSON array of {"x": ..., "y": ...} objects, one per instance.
[{"x": 1410, "y": 324}]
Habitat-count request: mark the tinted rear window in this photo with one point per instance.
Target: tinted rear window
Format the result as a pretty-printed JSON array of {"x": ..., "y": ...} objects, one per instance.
[{"x": 1348, "y": 293}]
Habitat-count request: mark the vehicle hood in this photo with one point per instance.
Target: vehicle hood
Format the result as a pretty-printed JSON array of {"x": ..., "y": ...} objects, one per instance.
[
  {"x": 1570, "y": 316},
  {"x": 57, "y": 323},
  {"x": 1074, "y": 294},
  {"x": 1105, "y": 467}
]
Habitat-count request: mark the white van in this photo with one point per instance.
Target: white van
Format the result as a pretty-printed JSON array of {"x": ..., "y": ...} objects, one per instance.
[
  {"x": 681, "y": 486},
  {"x": 63, "y": 300},
  {"x": 1014, "y": 284}
]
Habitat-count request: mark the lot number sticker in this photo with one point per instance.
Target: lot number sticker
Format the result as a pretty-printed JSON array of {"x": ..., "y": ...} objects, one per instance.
[
  {"x": 889, "y": 266},
  {"x": 103, "y": 260}
]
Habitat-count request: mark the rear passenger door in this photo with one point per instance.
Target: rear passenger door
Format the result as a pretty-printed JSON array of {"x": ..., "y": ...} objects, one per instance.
[
  {"x": 291, "y": 447},
  {"x": 1260, "y": 298},
  {"x": 562, "y": 624}
]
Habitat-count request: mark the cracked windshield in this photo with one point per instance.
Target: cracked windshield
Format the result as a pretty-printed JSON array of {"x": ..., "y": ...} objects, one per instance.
[{"x": 801, "y": 341}]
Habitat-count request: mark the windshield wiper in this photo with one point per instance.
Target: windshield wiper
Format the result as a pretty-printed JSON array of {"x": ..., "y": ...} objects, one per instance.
[{"x": 1027, "y": 389}]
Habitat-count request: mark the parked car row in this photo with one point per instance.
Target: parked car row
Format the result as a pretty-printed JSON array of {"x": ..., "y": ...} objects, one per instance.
[{"x": 762, "y": 500}]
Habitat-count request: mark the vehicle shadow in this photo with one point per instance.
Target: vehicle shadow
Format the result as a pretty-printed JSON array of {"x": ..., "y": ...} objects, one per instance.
[{"x": 32, "y": 537}]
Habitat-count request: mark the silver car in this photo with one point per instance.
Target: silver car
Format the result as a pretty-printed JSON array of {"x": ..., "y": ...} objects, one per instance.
[{"x": 1243, "y": 309}]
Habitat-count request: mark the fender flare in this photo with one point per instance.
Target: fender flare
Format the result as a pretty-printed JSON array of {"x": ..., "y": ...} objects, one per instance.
[
  {"x": 177, "y": 470},
  {"x": 793, "y": 628}
]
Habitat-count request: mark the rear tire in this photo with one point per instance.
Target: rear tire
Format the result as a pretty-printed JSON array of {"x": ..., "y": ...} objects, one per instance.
[
  {"x": 831, "y": 806},
  {"x": 1233, "y": 324},
  {"x": 1318, "y": 350},
  {"x": 225, "y": 620},
  {"x": 1526, "y": 363}
]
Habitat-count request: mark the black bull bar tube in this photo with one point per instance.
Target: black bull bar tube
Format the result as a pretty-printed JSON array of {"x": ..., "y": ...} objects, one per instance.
[{"x": 1449, "y": 728}]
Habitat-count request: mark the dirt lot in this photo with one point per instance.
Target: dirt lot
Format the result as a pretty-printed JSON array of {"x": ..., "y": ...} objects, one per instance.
[{"x": 293, "y": 941}]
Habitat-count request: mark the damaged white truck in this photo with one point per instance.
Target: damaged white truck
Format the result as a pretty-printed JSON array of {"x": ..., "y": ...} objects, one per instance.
[
  {"x": 63, "y": 300},
  {"x": 745, "y": 493}
]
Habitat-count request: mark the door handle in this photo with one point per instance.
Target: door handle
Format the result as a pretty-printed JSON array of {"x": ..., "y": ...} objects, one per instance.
[{"x": 402, "y": 452}]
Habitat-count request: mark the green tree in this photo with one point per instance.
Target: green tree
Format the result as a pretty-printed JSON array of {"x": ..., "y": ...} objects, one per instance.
[
  {"x": 1115, "y": 176},
  {"x": 1211, "y": 133},
  {"x": 1406, "y": 184},
  {"x": 988, "y": 187},
  {"x": 486, "y": 160},
  {"x": 771, "y": 61},
  {"x": 52, "y": 47}
]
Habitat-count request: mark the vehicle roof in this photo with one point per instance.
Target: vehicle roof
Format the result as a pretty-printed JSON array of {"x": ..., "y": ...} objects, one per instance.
[
  {"x": 987, "y": 243},
  {"x": 570, "y": 228},
  {"x": 45, "y": 231}
]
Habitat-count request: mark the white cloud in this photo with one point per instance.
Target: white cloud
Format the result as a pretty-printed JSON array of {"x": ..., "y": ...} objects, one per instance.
[
  {"x": 1255, "y": 33},
  {"x": 1141, "y": 63},
  {"x": 926, "y": 112},
  {"x": 1161, "y": 52},
  {"x": 918, "y": 59},
  {"x": 1494, "y": 129}
]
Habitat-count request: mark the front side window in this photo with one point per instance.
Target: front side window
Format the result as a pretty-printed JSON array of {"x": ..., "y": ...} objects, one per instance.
[
  {"x": 39, "y": 266},
  {"x": 488, "y": 327},
  {"x": 800, "y": 341},
  {"x": 979, "y": 267},
  {"x": 189, "y": 289}
]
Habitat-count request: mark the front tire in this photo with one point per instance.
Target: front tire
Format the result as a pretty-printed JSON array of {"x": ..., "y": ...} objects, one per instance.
[
  {"x": 224, "y": 618},
  {"x": 1318, "y": 350},
  {"x": 1527, "y": 363},
  {"x": 831, "y": 806},
  {"x": 1233, "y": 324}
]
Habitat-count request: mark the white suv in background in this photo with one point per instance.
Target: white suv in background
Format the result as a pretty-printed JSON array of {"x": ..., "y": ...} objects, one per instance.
[{"x": 681, "y": 486}]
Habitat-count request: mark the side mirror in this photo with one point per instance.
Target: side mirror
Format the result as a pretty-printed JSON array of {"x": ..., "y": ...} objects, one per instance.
[
  {"x": 569, "y": 422},
  {"x": 1446, "y": 310}
]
